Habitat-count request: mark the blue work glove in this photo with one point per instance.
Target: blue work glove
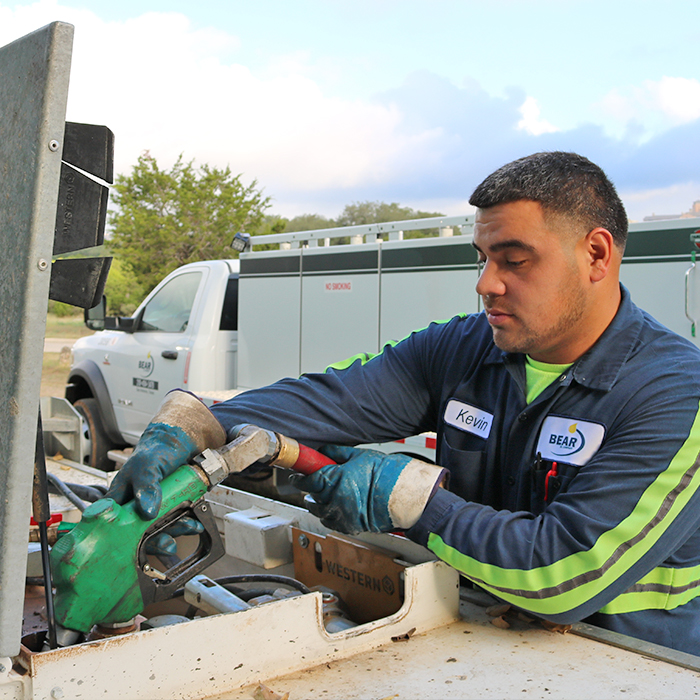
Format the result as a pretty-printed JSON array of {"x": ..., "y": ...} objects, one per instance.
[
  {"x": 182, "y": 428},
  {"x": 370, "y": 491},
  {"x": 163, "y": 544}
]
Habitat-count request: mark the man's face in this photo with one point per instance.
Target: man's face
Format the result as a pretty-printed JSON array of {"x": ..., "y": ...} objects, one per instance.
[{"x": 533, "y": 284}]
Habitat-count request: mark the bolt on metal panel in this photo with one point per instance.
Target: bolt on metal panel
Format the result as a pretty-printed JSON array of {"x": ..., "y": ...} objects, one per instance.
[{"x": 34, "y": 76}]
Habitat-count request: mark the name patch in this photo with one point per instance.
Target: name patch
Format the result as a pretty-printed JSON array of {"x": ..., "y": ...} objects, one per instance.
[
  {"x": 569, "y": 440},
  {"x": 468, "y": 418}
]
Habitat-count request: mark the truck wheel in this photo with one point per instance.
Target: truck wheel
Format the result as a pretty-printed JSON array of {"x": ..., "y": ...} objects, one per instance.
[{"x": 95, "y": 440}]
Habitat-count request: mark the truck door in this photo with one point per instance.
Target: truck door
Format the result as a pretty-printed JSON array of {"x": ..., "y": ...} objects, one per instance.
[{"x": 153, "y": 359}]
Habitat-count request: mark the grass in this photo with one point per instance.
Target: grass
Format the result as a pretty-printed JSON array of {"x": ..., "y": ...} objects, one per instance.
[
  {"x": 54, "y": 373},
  {"x": 55, "y": 367},
  {"x": 66, "y": 327}
]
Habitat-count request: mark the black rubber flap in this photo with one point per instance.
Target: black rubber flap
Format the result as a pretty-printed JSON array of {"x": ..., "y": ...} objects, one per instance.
[{"x": 80, "y": 281}]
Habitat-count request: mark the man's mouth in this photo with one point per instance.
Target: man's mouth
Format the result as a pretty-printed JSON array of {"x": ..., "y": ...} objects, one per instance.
[{"x": 497, "y": 316}]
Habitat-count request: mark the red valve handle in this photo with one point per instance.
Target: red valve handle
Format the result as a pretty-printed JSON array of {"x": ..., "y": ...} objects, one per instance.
[{"x": 310, "y": 461}]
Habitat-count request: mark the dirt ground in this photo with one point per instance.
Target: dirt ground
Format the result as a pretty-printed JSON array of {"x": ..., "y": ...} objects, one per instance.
[
  {"x": 54, "y": 373},
  {"x": 56, "y": 365}
]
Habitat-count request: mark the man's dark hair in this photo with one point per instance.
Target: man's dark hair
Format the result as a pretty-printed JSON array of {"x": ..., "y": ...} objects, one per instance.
[{"x": 563, "y": 183}]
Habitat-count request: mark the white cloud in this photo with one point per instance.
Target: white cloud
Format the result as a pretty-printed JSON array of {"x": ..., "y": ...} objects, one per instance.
[
  {"x": 679, "y": 98},
  {"x": 656, "y": 105},
  {"x": 675, "y": 199},
  {"x": 620, "y": 107},
  {"x": 531, "y": 121},
  {"x": 164, "y": 86}
]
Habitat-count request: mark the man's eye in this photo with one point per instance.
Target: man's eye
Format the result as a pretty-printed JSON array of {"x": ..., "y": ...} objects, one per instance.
[{"x": 515, "y": 263}]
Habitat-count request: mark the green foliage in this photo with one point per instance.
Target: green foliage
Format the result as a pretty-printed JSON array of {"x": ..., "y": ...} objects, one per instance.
[
  {"x": 303, "y": 222},
  {"x": 123, "y": 290},
  {"x": 309, "y": 222},
  {"x": 166, "y": 218},
  {"x": 270, "y": 224},
  {"x": 355, "y": 214},
  {"x": 273, "y": 224},
  {"x": 362, "y": 213},
  {"x": 58, "y": 308}
]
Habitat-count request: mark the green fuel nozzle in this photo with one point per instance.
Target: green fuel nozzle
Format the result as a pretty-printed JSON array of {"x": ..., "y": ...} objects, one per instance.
[
  {"x": 96, "y": 566},
  {"x": 100, "y": 568}
]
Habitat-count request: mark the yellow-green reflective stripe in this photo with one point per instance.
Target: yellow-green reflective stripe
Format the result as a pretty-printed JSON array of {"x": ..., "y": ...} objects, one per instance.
[
  {"x": 648, "y": 600},
  {"x": 365, "y": 357},
  {"x": 564, "y": 584},
  {"x": 663, "y": 588},
  {"x": 668, "y": 576}
]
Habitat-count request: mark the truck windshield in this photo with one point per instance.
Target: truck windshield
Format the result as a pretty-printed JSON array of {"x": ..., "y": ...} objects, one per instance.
[{"x": 169, "y": 310}]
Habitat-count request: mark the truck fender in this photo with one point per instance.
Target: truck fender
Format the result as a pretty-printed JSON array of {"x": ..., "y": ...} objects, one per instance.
[{"x": 85, "y": 380}]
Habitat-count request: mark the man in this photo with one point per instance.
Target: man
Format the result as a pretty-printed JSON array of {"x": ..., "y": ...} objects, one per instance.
[{"x": 566, "y": 422}]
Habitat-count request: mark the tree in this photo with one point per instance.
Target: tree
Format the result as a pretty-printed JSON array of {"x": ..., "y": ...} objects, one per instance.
[
  {"x": 272, "y": 223},
  {"x": 309, "y": 222},
  {"x": 355, "y": 214},
  {"x": 302, "y": 222},
  {"x": 123, "y": 290},
  {"x": 165, "y": 219},
  {"x": 361, "y": 213}
]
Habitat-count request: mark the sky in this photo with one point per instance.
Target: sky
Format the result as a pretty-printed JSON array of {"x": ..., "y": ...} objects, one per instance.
[{"x": 329, "y": 102}]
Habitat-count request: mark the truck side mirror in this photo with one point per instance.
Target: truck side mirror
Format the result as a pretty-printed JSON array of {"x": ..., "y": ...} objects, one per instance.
[
  {"x": 95, "y": 317},
  {"x": 126, "y": 324}
]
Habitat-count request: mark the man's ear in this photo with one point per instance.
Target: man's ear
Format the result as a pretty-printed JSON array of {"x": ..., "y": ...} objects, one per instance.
[{"x": 601, "y": 252}]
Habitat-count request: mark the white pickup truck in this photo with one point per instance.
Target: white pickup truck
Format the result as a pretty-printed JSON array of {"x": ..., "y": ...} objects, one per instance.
[
  {"x": 214, "y": 327},
  {"x": 184, "y": 334}
]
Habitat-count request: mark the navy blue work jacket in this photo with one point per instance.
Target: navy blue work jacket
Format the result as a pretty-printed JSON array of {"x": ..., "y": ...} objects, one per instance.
[{"x": 583, "y": 504}]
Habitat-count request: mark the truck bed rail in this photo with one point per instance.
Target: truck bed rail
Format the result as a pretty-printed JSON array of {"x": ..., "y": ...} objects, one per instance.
[{"x": 368, "y": 233}]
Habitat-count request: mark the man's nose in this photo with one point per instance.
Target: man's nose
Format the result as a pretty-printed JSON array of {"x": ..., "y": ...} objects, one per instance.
[{"x": 490, "y": 282}]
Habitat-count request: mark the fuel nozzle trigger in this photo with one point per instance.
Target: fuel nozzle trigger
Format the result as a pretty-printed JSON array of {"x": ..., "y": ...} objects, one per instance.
[{"x": 160, "y": 581}]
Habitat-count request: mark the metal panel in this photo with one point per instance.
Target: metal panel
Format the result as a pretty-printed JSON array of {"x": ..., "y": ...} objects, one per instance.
[
  {"x": 340, "y": 310},
  {"x": 426, "y": 280},
  {"x": 659, "y": 288},
  {"x": 657, "y": 256},
  {"x": 34, "y": 74},
  {"x": 475, "y": 659},
  {"x": 431, "y": 296},
  {"x": 268, "y": 318},
  {"x": 220, "y": 653}
]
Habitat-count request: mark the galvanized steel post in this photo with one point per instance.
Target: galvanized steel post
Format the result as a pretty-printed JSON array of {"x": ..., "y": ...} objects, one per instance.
[{"x": 34, "y": 76}]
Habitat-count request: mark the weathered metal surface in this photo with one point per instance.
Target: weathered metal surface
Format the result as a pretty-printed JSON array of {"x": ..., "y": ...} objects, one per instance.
[
  {"x": 223, "y": 652},
  {"x": 34, "y": 74},
  {"x": 13, "y": 686},
  {"x": 423, "y": 651},
  {"x": 475, "y": 659},
  {"x": 369, "y": 580},
  {"x": 63, "y": 432}
]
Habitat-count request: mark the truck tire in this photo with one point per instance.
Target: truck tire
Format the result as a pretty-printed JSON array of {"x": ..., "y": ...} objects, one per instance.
[{"x": 95, "y": 435}]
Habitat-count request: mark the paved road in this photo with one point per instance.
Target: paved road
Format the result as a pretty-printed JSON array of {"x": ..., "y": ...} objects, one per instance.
[{"x": 57, "y": 344}]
